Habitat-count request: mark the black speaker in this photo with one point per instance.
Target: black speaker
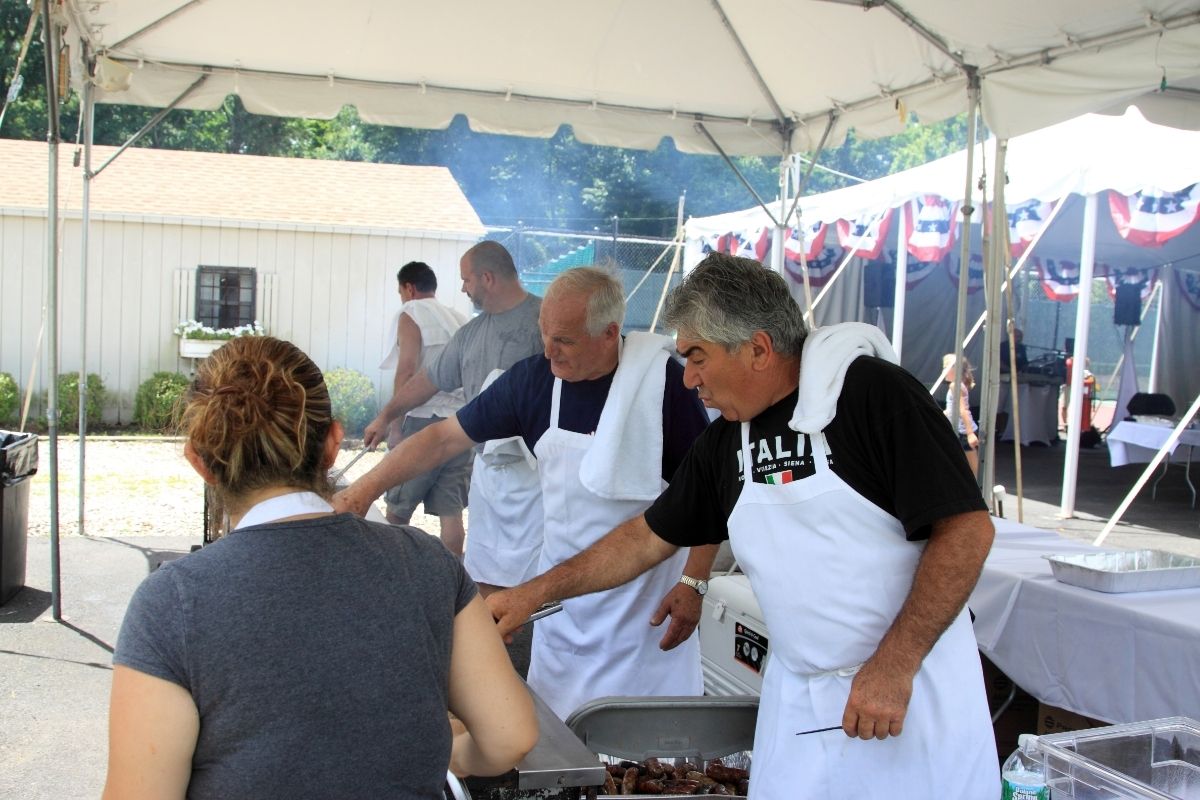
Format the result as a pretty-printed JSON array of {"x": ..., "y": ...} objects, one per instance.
[
  {"x": 879, "y": 284},
  {"x": 1127, "y": 307}
]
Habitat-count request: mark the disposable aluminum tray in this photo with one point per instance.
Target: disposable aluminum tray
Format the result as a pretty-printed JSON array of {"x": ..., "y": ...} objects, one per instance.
[
  {"x": 1155, "y": 760},
  {"x": 669, "y": 728},
  {"x": 1126, "y": 570}
]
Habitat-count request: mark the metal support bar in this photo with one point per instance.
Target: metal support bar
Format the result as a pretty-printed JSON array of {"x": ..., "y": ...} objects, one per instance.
[
  {"x": 52, "y": 137},
  {"x": 785, "y": 124},
  {"x": 157, "y": 118},
  {"x": 700, "y": 127}
]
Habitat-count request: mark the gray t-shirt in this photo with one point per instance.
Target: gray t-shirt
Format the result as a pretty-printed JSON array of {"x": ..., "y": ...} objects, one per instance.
[
  {"x": 317, "y": 653},
  {"x": 485, "y": 343}
]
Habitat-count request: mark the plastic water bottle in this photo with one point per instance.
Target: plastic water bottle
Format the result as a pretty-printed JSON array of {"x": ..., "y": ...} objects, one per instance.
[{"x": 1021, "y": 776}]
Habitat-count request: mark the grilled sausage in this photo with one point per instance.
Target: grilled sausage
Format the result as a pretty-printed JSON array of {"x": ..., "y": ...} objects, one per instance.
[
  {"x": 629, "y": 782},
  {"x": 610, "y": 785},
  {"x": 723, "y": 774},
  {"x": 653, "y": 768},
  {"x": 649, "y": 786}
]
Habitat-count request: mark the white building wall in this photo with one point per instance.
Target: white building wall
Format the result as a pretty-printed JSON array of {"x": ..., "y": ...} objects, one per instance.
[{"x": 332, "y": 291}]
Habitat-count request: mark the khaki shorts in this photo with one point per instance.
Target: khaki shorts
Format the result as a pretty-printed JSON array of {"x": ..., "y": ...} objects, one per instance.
[{"x": 442, "y": 490}]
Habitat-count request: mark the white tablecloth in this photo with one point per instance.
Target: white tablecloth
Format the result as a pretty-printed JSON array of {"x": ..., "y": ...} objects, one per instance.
[
  {"x": 1115, "y": 657},
  {"x": 1039, "y": 412},
  {"x": 1137, "y": 442}
]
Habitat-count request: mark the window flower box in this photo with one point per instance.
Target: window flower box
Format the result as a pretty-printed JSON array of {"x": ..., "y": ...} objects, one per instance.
[
  {"x": 199, "y": 348},
  {"x": 198, "y": 341}
]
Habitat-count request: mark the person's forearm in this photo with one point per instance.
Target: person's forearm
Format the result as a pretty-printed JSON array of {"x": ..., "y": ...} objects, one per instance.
[
  {"x": 946, "y": 574},
  {"x": 700, "y": 560},
  {"x": 626, "y": 552},
  {"x": 415, "y": 455},
  {"x": 415, "y": 391}
]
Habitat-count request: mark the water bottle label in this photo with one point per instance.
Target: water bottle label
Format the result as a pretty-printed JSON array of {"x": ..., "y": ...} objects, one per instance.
[{"x": 1022, "y": 791}]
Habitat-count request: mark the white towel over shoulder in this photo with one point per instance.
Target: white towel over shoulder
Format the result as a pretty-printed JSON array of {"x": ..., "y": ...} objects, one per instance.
[
  {"x": 827, "y": 355},
  {"x": 625, "y": 461}
]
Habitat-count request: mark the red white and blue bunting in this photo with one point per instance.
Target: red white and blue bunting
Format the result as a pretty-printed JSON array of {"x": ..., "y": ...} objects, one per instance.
[
  {"x": 820, "y": 268},
  {"x": 865, "y": 235},
  {"x": 1025, "y": 220},
  {"x": 1151, "y": 218},
  {"x": 929, "y": 227},
  {"x": 974, "y": 271}
]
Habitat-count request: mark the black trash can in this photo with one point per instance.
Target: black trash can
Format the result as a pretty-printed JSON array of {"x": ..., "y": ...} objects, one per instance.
[{"x": 18, "y": 462}]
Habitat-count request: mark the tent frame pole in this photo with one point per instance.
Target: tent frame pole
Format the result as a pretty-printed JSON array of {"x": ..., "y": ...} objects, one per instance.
[
  {"x": 52, "y": 138},
  {"x": 1083, "y": 314},
  {"x": 964, "y": 267},
  {"x": 900, "y": 291},
  {"x": 995, "y": 270},
  {"x": 87, "y": 110}
]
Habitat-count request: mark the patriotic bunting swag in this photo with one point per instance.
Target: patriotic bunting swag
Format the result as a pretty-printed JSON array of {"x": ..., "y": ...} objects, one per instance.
[
  {"x": 974, "y": 272},
  {"x": 866, "y": 235},
  {"x": 1025, "y": 220},
  {"x": 929, "y": 226},
  {"x": 1150, "y": 218}
]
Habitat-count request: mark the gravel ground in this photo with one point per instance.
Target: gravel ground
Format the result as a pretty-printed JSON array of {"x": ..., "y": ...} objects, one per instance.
[{"x": 139, "y": 487}]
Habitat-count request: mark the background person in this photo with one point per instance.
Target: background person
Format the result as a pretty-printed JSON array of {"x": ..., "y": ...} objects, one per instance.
[
  {"x": 504, "y": 496},
  {"x": 423, "y": 328},
  {"x": 967, "y": 437},
  {"x": 851, "y": 509},
  {"x": 306, "y": 654},
  {"x": 609, "y": 423}
]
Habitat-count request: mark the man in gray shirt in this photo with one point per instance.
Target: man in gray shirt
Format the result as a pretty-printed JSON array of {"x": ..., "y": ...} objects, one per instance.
[{"x": 504, "y": 333}]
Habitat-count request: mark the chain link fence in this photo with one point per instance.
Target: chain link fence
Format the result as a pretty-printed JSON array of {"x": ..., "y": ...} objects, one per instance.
[{"x": 641, "y": 262}]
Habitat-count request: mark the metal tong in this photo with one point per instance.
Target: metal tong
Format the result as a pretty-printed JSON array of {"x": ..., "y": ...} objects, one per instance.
[{"x": 335, "y": 477}]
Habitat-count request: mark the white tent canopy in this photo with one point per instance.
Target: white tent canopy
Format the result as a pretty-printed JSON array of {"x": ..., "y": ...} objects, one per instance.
[
  {"x": 1083, "y": 156},
  {"x": 1073, "y": 164},
  {"x": 764, "y": 76}
]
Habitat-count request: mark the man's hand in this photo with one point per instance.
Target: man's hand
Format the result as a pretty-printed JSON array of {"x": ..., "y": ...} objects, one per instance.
[
  {"x": 878, "y": 701},
  {"x": 684, "y": 605},
  {"x": 375, "y": 433},
  {"x": 352, "y": 500},
  {"x": 511, "y": 607}
]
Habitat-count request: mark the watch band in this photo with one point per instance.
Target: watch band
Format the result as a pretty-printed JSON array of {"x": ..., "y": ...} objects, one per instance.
[{"x": 700, "y": 585}]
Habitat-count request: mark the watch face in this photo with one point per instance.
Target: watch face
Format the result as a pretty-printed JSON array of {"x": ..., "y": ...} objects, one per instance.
[{"x": 702, "y": 587}]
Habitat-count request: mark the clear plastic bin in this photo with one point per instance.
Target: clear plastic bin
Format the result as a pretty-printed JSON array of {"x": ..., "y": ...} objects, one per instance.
[{"x": 1159, "y": 759}]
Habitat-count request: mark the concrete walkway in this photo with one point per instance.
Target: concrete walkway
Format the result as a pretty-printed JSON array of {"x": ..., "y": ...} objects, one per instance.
[{"x": 54, "y": 677}]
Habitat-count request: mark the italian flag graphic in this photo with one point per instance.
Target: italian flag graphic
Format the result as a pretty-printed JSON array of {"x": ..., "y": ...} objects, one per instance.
[{"x": 776, "y": 478}]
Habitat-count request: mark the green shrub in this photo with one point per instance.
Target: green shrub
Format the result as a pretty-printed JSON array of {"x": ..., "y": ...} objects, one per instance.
[
  {"x": 154, "y": 405},
  {"x": 10, "y": 398},
  {"x": 68, "y": 399},
  {"x": 353, "y": 398}
]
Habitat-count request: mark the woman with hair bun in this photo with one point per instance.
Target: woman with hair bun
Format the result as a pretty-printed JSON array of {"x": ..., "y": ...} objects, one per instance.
[{"x": 306, "y": 653}]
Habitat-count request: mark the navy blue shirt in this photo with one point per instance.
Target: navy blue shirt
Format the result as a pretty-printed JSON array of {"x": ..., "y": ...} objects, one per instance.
[{"x": 518, "y": 404}]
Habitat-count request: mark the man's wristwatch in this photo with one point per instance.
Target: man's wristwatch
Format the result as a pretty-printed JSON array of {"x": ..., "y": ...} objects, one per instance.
[{"x": 701, "y": 586}]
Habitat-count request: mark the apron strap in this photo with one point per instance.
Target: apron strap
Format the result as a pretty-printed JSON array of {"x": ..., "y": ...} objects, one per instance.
[
  {"x": 746, "y": 453},
  {"x": 554, "y": 402}
]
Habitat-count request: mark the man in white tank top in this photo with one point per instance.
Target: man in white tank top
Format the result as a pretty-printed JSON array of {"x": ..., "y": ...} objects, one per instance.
[{"x": 423, "y": 328}]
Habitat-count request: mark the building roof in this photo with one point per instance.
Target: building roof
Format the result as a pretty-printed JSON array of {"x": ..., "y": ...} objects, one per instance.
[{"x": 218, "y": 186}]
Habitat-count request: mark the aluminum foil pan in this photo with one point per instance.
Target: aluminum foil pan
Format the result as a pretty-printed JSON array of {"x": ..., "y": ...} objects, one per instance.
[{"x": 1126, "y": 570}]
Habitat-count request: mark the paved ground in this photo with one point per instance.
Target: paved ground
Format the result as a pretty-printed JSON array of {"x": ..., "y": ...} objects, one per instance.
[{"x": 54, "y": 677}]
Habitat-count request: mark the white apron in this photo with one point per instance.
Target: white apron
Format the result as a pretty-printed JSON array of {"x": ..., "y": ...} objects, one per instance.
[
  {"x": 504, "y": 529},
  {"x": 830, "y": 571},
  {"x": 601, "y": 644}
]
